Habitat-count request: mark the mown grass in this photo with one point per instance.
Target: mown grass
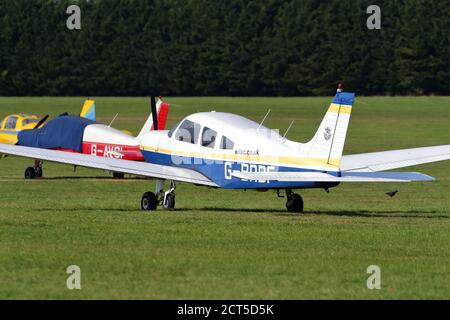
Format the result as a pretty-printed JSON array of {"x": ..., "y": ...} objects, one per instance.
[{"x": 222, "y": 244}]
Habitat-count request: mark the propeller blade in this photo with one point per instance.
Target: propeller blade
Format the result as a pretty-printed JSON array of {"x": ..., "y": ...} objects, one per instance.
[
  {"x": 41, "y": 122},
  {"x": 154, "y": 113}
]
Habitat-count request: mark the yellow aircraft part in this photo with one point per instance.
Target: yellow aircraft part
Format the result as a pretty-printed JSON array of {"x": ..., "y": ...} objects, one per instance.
[
  {"x": 7, "y": 138},
  {"x": 13, "y": 124}
]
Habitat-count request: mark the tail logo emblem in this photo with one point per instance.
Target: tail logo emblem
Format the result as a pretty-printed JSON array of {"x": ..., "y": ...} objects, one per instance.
[{"x": 327, "y": 134}]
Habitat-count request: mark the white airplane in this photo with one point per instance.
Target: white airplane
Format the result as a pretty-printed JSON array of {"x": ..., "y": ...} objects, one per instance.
[{"x": 223, "y": 150}]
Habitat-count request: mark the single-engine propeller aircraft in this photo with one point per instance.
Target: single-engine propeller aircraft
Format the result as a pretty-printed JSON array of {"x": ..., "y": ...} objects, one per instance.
[
  {"x": 223, "y": 150},
  {"x": 82, "y": 134}
]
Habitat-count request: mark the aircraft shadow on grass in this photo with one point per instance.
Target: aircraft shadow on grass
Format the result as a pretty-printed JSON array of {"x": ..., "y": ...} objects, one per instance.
[
  {"x": 339, "y": 213},
  {"x": 78, "y": 178},
  {"x": 94, "y": 178},
  {"x": 409, "y": 214}
]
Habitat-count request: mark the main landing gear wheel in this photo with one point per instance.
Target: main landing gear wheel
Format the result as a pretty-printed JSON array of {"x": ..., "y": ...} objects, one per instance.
[
  {"x": 118, "y": 175},
  {"x": 168, "y": 199},
  {"x": 149, "y": 201},
  {"x": 294, "y": 203},
  {"x": 30, "y": 173},
  {"x": 169, "y": 202},
  {"x": 39, "y": 172},
  {"x": 34, "y": 172}
]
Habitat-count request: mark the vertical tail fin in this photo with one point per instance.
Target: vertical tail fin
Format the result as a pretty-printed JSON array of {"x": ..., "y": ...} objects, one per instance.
[
  {"x": 162, "y": 112},
  {"x": 328, "y": 143},
  {"x": 88, "y": 110}
]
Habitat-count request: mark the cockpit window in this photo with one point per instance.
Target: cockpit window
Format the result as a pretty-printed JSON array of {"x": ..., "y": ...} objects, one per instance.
[
  {"x": 11, "y": 123},
  {"x": 28, "y": 121},
  {"x": 226, "y": 144},
  {"x": 209, "y": 138},
  {"x": 188, "y": 132}
]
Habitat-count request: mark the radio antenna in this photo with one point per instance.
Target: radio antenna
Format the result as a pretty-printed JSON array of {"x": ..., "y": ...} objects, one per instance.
[
  {"x": 262, "y": 122},
  {"x": 113, "y": 120},
  {"x": 289, "y": 128}
]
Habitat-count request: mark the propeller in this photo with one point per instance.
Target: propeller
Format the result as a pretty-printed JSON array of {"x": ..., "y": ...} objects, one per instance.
[
  {"x": 154, "y": 112},
  {"x": 41, "y": 122}
]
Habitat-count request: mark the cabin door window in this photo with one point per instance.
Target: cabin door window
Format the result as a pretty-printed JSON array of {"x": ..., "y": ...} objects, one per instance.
[{"x": 209, "y": 138}]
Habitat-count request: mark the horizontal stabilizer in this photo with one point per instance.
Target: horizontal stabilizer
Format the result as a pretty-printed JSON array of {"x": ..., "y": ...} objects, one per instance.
[
  {"x": 324, "y": 177},
  {"x": 389, "y": 160}
]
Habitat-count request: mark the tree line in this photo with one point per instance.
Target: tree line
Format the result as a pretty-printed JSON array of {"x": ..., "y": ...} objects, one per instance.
[{"x": 223, "y": 48}]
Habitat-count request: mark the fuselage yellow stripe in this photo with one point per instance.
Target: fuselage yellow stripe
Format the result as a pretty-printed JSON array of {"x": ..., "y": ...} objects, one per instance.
[{"x": 276, "y": 160}]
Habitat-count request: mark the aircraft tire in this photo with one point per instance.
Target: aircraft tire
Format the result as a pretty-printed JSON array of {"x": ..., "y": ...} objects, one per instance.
[
  {"x": 170, "y": 201},
  {"x": 294, "y": 203},
  {"x": 118, "y": 175},
  {"x": 149, "y": 201},
  {"x": 39, "y": 173},
  {"x": 30, "y": 173}
]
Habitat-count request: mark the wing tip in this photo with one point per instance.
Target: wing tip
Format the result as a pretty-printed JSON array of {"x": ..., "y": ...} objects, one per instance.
[{"x": 425, "y": 177}]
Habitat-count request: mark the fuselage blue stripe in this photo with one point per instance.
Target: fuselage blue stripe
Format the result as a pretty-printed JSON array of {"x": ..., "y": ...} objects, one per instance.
[{"x": 219, "y": 171}]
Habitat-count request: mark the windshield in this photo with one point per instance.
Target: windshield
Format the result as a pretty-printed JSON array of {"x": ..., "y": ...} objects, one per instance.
[
  {"x": 28, "y": 121},
  {"x": 173, "y": 130},
  {"x": 188, "y": 132}
]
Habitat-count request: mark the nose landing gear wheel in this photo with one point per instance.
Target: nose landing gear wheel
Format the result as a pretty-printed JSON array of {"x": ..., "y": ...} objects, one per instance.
[
  {"x": 294, "y": 203},
  {"x": 149, "y": 201}
]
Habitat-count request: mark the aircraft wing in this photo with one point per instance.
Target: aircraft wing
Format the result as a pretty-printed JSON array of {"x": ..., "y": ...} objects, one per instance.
[
  {"x": 324, "y": 177},
  {"x": 388, "y": 160},
  {"x": 109, "y": 164}
]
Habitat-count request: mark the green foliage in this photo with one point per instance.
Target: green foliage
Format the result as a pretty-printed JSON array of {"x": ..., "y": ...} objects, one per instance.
[{"x": 229, "y": 47}]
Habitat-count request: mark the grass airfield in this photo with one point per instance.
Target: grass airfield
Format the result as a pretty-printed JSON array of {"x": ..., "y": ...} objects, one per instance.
[{"x": 221, "y": 244}]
